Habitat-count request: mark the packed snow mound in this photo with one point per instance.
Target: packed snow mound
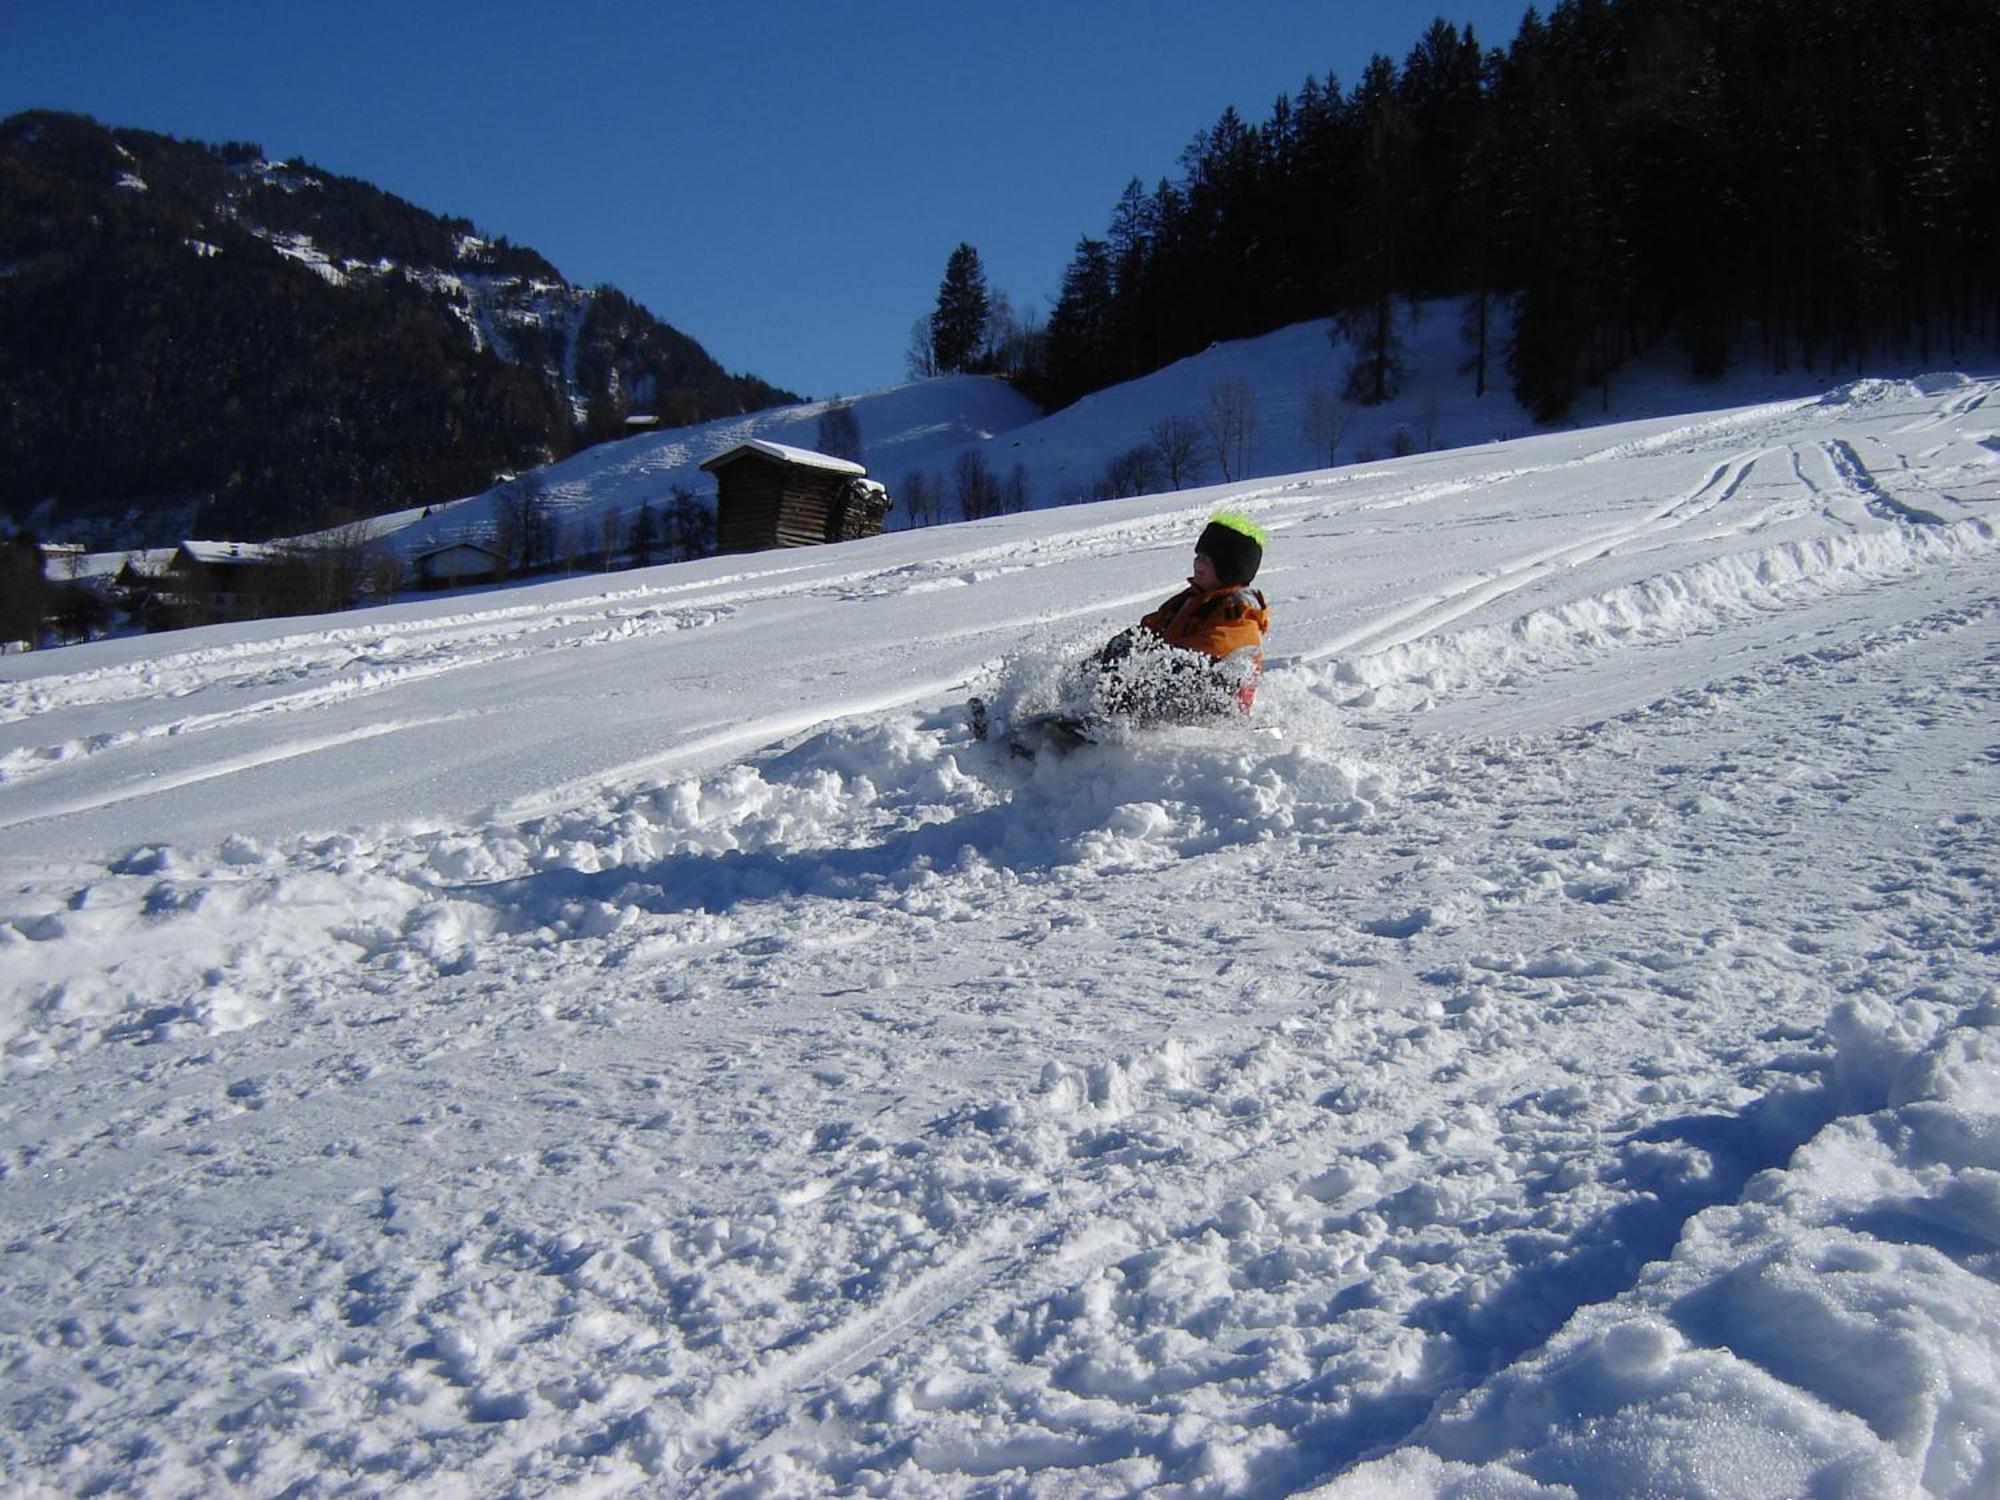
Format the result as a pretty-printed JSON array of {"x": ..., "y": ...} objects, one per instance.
[
  {"x": 850, "y": 812},
  {"x": 1875, "y": 390},
  {"x": 1833, "y": 1328}
]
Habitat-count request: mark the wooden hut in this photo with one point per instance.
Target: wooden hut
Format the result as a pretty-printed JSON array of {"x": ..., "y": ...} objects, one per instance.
[{"x": 769, "y": 495}]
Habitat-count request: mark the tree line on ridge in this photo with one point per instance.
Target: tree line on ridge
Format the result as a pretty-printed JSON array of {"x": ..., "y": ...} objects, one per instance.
[{"x": 1808, "y": 183}]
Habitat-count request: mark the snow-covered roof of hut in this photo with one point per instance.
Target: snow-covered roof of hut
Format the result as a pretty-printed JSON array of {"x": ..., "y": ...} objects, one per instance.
[
  {"x": 230, "y": 552},
  {"x": 804, "y": 457}
]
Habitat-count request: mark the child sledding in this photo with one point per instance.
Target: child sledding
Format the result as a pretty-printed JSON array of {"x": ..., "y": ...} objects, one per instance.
[{"x": 1196, "y": 659}]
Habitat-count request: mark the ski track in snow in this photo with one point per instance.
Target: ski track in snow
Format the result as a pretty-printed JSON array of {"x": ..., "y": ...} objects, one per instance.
[{"x": 1554, "y": 1053}]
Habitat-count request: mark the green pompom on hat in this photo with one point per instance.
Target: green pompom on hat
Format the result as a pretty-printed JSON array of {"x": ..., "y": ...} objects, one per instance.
[{"x": 1235, "y": 544}]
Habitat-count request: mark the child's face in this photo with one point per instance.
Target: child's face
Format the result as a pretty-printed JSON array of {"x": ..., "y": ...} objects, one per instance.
[{"x": 1204, "y": 574}]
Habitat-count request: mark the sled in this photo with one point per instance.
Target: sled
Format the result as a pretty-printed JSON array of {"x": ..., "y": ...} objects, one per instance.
[{"x": 1029, "y": 737}]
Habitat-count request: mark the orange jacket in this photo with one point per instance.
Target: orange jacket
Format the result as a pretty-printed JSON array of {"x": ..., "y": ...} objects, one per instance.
[{"x": 1215, "y": 622}]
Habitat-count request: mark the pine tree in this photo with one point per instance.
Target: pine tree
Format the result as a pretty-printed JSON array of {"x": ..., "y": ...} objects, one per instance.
[
  {"x": 1130, "y": 247},
  {"x": 1080, "y": 325},
  {"x": 1368, "y": 314},
  {"x": 958, "y": 326},
  {"x": 1556, "y": 260},
  {"x": 1439, "y": 95}
]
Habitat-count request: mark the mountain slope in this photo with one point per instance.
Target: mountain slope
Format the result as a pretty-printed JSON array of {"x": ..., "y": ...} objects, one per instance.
[{"x": 189, "y": 330}]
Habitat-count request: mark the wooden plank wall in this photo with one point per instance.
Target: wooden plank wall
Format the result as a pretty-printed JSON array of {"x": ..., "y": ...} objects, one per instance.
[{"x": 761, "y": 505}]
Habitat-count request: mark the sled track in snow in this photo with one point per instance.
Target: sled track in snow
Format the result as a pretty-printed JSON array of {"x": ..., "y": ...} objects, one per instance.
[
  {"x": 1434, "y": 613},
  {"x": 356, "y": 660},
  {"x": 1859, "y": 479}
]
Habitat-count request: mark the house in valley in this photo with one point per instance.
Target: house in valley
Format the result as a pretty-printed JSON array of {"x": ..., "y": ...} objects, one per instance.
[
  {"x": 224, "y": 580},
  {"x": 458, "y": 564}
]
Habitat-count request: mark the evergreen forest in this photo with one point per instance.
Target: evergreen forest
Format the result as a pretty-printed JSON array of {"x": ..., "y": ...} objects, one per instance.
[{"x": 1808, "y": 183}]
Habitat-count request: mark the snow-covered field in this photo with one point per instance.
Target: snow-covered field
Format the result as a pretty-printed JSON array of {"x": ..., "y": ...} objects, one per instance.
[{"x": 623, "y": 1036}]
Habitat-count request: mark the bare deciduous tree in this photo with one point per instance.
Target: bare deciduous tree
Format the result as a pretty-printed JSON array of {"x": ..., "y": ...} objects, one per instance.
[
  {"x": 1177, "y": 447},
  {"x": 920, "y": 359},
  {"x": 839, "y": 431},
  {"x": 920, "y": 497},
  {"x": 572, "y": 547},
  {"x": 1230, "y": 421},
  {"x": 524, "y": 524},
  {"x": 1136, "y": 471},
  {"x": 316, "y": 576},
  {"x": 689, "y": 530},
  {"x": 385, "y": 573},
  {"x": 974, "y": 486},
  {"x": 1014, "y": 493},
  {"x": 1327, "y": 418}
]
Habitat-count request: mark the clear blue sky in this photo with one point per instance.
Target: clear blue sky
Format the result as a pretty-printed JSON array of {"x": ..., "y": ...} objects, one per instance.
[{"x": 781, "y": 179}]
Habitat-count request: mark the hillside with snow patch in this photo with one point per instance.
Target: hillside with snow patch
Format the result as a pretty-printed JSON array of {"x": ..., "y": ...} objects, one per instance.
[{"x": 624, "y": 1034}]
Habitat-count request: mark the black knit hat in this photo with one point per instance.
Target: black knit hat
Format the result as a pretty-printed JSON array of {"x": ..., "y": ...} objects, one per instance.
[{"x": 1234, "y": 543}]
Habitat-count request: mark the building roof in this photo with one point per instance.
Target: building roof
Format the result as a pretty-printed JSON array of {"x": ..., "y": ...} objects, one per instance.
[
  {"x": 225, "y": 553},
  {"x": 804, "y": 458},
  {"x": 462, "y": 545}
]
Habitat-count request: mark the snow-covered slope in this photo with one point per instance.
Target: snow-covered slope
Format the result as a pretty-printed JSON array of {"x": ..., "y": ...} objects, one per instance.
[
  {"x": 622, "y": 1035},
  {"x": 925, "y": 426},
  {"x": 922, "y": 425}
]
